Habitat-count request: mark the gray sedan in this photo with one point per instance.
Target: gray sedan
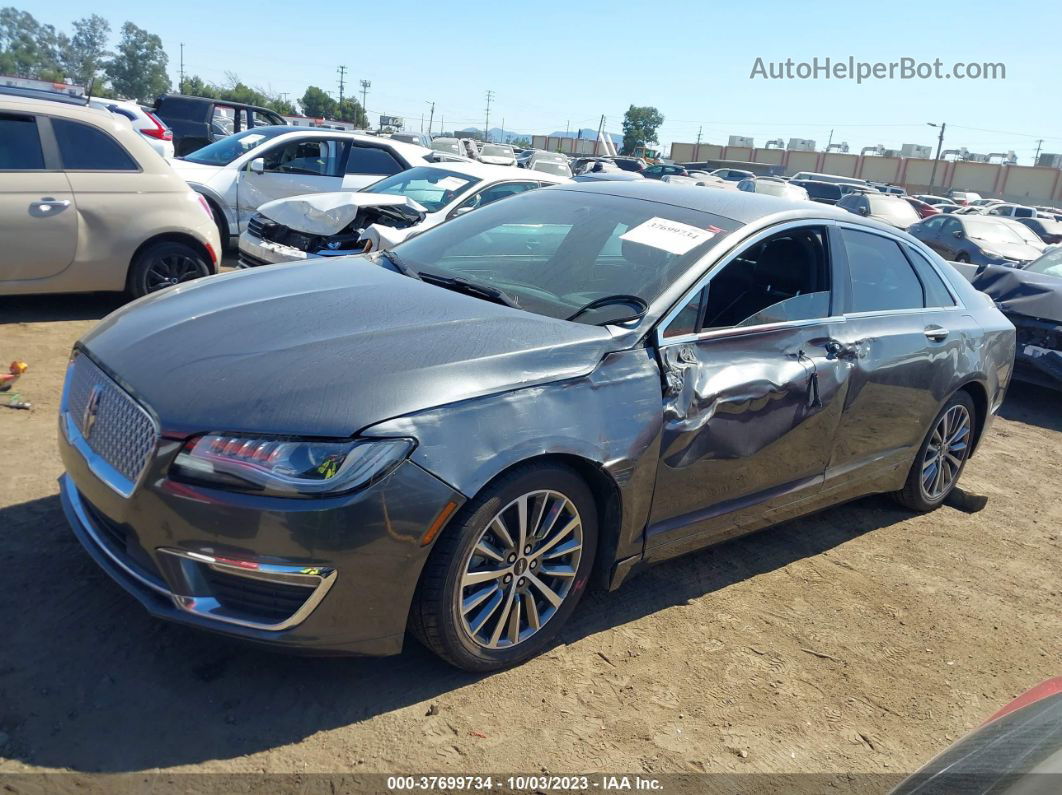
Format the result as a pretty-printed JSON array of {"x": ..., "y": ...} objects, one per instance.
[{"x": 455, "y": 437}]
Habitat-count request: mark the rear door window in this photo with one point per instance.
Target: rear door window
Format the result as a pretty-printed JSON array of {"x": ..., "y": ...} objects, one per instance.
[
  {"x": 372, "y": 160},
  {"x": 882, "y": 278},
  {"x": 85, "y": 148},
  {"x": 20, "y": 144}
]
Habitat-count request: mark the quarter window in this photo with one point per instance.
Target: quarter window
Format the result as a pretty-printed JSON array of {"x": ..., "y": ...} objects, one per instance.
[
  {"x": 20, "y": 145},
  {"x": 882, "y": 278},
  {"x": 84, "y": 148},
  {"x": 372, "y": 160},
  {"x": 936, "y": 293}
]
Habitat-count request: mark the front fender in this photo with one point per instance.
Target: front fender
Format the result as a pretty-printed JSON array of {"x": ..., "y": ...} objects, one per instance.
[{"x": 611, "y": 417}]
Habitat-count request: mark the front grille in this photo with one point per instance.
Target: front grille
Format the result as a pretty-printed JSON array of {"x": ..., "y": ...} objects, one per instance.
[
  {"x": 256, "y": 226},
  {"x": 122, "y": 542},
  {"x": 114, "y": 426},
  {"x": 262, "y": 600},
  {"x": 248, "y": 261}
]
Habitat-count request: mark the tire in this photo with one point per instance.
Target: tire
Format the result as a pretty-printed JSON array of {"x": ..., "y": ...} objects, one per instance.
[
  {"x": 165, "y": 264},
  {"x": 480, "y": 637},
  {"x": 956, "y": 421}
]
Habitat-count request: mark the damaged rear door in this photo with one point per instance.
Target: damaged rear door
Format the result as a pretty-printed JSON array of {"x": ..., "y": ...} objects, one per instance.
[{"x": 753, "y": 391}]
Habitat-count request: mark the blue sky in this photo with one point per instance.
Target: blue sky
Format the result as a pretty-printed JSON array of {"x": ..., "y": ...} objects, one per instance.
[{"x": 553, "y": 64}]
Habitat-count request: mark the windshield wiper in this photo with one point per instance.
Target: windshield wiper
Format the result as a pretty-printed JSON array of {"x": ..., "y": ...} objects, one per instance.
[
  {"x": 608, "y": 300},
  {"x": 469, "y": 288},
  {"x": 401, "y": 265}
]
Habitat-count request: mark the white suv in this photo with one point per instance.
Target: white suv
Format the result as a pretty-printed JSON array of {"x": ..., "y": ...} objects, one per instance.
[
  {"x": 240, "y": 172},
  {"x": 154, "y": 130}
]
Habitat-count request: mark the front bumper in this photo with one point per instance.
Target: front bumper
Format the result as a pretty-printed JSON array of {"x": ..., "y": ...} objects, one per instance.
[
  {"x": 333, "y": 575},
  {"x": 255, "y": 252}
]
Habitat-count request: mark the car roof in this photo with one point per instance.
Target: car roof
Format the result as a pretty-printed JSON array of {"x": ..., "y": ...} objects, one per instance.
[
  {"x": 741, "y": 206},
  {"x": 414, "y": 150},
  {"x": 492, "y": 172},
  {"x": 53, "y": 108}
]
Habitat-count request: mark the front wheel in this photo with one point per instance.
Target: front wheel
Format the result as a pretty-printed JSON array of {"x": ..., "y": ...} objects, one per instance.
[
  {"x": 942, "y": 456},
  {"x": 165, "y": 264},
  {"x": 503, "y": 579}
]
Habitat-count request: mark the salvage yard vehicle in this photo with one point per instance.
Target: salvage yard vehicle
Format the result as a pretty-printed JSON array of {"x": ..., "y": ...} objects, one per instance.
[
  {"x": 819, "y": 191},
  {"x": 574, "y": 382},
  {"x": 450, "y": 146},
  {"x": 965, "y": 197},
  {"x": 924, "y": 209},
  {"x": 891, "y": 210},
  {"x": 774, "y": 187},
  {"x": 198, "y": 121},
  {"x": 979, "y": 239},
  {"x": 549, "y": 163},
  {"x": 380, "y": 216},
  {"x": 87, "y": 205},
  {"x": 497, "y": 155},
  {"x": 243, "y": 171},
  {"x": 1047, "y": 229},
  {"x": 1031, "y": 299},
  {"x": 144, "y": 121}
]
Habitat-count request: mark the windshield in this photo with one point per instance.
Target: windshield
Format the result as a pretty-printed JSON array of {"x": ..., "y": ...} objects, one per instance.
[
  {"x": 821, "y": 190},
  {"x": 433, "y": 188},
  {"x": 493, "y": 150},
  {"x": 1050, "y": 263},
  {"x": 1025, "y": 233},
  {"x": 450, "y": 145},
  {"x": 223, "y": 152},
  {"x": 991, "y": 231},
  {"x": 780, "y": 189},
  {"x": 896, "y": 210},
  {"x": 554, "y": 251}
]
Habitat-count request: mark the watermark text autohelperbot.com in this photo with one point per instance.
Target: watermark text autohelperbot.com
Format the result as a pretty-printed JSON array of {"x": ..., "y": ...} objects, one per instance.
[{"x": 862, "y": 71}]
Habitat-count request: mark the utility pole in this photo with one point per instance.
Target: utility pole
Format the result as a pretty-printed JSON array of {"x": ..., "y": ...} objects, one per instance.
[
  {"x": 431, "y": 116},
  {"x": 486, "y": 120},
  {"x": 940, "y": 145},
  {"x": 180, "y": 89},
  {"x": 503, "y": 130},
  {"x": 342, "y": 74},
  {"x": 567, "y": 128},
  {"x": 422, "y": 121},
  {"x": 829, "y": 143},
  {"x": 365, "y": 86},
  {"x": 1036, "y": 157},
  {"x": 600, "y": 127}
]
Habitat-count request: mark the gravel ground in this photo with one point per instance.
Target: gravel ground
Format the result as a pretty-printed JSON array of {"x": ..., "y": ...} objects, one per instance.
[{"x": 863, "y": 639}]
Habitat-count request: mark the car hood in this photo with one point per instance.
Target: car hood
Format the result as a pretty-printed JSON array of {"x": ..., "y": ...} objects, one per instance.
[
  {"x": 1016, "y": 251},
  {"x": 326, "y": 349},
  {"x": 195, "y": 172},
  {"x": 331, "y": 213},
  {"x": 1020, "y": 292}
]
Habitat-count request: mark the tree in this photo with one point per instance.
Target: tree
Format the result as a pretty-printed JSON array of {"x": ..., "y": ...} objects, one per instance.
[
  {"x": 28, "y": 48},
  {"x": 639, "y": 127},
  {"x": 85, "y": 53},
  {"x": 352, "y": 111},
  {"x": 195, "y": 86},
  {"x": 317, "y": 103},
  {"x": 138, "y": 68}
]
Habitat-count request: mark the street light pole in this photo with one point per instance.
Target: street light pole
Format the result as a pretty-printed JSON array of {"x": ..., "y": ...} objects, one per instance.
[{"x": 940, "y": 145}]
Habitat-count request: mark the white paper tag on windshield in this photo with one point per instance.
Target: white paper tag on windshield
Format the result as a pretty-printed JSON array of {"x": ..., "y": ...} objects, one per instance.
[
  {"x": 253, "y": 138},
  {"x": 451, "y": 183},
  {"x": 670, "y": 236}
]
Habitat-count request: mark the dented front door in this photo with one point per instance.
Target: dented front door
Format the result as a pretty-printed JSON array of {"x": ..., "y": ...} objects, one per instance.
[{"x": 749, "y": 424}]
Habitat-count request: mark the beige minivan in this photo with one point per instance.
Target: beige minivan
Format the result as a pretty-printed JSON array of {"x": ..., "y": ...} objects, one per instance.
[{"x": 86, "y": 205}]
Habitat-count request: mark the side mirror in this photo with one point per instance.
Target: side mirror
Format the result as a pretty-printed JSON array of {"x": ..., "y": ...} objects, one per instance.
[
  {"x": 864, "y": 211},
  {"x": 958, "y": 234},
  {"x": 461, "y": 211},
  {"x": 257, "y": 165}
]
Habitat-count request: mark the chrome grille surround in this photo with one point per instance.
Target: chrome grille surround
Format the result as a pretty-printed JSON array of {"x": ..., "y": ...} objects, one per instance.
[{"x": 114, "y": 433}]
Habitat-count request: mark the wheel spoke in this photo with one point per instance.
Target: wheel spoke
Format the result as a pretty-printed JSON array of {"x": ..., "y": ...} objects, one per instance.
[
  {"x": 552, "y": 596},
  {"x": 521, "y": 520},
  {"x": 503, "y": 618},
  {"x": 476, "y": 599},
  {"x": 514, "y": 621},
  {"x": 531, "y": 607},
  {"x": 549, "y": 519},
  {"x": 487, "y": 551},
  {"x": 557, "y": 571},
  {"x": 500, "y": 530},
  {"x": 476, "y": 577},
  {"x": 564, "y": 549},
  {"x": 477, "y": 623},
  {"x": 557, "y": 537}
]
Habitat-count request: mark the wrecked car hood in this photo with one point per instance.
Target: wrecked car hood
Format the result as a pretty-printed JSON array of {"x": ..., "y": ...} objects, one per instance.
[
  {"x": 327, "y": 351},
  {"x": 1019, "y": 292},
  {"x": 1016, "y": 251},
  {"x": 331, "y": 213}
]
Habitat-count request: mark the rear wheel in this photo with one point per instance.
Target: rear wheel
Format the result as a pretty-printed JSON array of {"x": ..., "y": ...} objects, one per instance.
[
  {"x": 503, "y": 579},
  {"x": 942, "y": 456},
  {"x": 165, "y": 264}
]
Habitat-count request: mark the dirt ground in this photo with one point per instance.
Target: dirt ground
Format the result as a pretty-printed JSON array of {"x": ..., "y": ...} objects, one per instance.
[{"x": 863, "y": 639}]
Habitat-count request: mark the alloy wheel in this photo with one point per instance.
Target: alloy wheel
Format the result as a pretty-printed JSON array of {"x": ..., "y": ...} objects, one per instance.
[
  {"x": 945, "y": 453},
  {"x": 520, "y": 570},
  {"x": 171, "y": 269}
]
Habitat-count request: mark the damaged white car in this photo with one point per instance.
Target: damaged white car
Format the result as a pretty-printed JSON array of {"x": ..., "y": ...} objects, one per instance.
[{"x": 380, "y": 216}]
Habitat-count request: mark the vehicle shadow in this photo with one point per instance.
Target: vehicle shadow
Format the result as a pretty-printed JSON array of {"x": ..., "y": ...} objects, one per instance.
[
  {"x": 52, "y": 308},
  {"x": 88, "y": 682},
  {"x": 1033, "y": 405}
]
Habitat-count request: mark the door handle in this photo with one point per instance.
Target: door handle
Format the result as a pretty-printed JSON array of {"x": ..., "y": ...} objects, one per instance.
[
  {"x": 835, "y": 349},
  {"x": 47, "y": 204},
  {"x": 936, "y": 333}
]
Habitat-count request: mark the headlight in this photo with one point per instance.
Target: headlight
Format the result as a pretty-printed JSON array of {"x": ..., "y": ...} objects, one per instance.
[{"x": 288, "y": 467}]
